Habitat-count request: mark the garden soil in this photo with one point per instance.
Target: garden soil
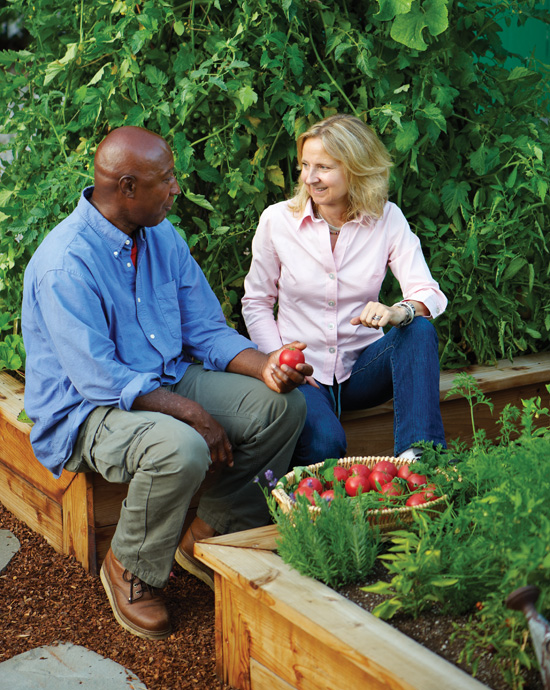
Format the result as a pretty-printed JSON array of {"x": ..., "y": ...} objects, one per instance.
[{"x": 47, "y": 598}]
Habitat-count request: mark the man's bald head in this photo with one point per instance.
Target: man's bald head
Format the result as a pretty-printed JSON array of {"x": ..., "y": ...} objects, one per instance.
[
  {"x": 134, "y": 181},
  {"x": 126, "y": 151}
]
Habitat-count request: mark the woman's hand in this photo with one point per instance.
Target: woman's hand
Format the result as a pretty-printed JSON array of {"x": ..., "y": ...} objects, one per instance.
[{"x": 377, "y": 315}]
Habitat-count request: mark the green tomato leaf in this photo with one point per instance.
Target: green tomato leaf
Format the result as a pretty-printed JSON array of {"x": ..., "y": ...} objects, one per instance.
[{"x": 199, "y": 199}]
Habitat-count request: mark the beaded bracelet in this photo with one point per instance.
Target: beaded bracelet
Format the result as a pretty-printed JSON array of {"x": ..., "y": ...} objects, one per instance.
[{"x": 411, "y": 313}]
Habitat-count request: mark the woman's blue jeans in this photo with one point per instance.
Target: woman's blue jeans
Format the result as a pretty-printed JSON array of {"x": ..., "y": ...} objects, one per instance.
[{"x": 403, "y": 365}]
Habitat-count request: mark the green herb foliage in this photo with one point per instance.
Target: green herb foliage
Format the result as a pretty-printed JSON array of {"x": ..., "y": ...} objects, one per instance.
[
  {"x": 336, "y": 547},
  {"x": 494, "y": 538},
  {"x": 230, "y": 85}
]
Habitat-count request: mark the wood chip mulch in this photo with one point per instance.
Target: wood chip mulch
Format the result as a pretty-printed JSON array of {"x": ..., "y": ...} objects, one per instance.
[{"x": 47, "y": 598}]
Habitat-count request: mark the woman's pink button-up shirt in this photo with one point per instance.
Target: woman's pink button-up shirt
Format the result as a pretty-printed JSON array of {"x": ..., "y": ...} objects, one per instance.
[{"x": 318, "y": 291}]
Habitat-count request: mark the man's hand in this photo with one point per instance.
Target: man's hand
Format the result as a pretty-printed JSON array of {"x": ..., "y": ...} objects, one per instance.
[
  {"x": 193, "y": 414},
  {"x": 280, "y": 379},
  {"x": 283, "y": 378}
]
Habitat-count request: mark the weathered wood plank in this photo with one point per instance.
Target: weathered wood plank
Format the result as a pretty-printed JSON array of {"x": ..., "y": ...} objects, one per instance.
[
  {"x": 16, "y": 453},
  {"x": 309, "y": 634},
  {"x": 11, "y": 400},
  {"x": 262, "y": 677},
  {"x": 78, "y": 522},
  {"x": 108, "y": 499},
  {"x": 41, "y": 513},
  {"x": 259, "y": 538}
]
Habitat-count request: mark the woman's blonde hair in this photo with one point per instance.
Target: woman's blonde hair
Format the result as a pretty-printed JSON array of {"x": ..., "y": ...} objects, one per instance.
[{"x": 365, "y": 160}]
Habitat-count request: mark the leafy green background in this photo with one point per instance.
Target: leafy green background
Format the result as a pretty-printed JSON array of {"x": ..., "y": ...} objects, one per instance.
[{"x": 231, "y": 84}]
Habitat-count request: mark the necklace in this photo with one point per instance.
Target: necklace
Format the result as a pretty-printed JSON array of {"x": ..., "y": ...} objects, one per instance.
[{"x": 333, "y": 229}]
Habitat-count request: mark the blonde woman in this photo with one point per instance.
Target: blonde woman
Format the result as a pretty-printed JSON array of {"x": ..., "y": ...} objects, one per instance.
[{"x": 320, "y": 260}]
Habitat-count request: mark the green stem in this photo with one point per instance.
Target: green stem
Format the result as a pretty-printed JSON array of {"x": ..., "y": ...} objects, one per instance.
[
  {"x": 61, "y": 146},
  {"x": 212, "y": 134},
  {"x": 352, "y": 108}
]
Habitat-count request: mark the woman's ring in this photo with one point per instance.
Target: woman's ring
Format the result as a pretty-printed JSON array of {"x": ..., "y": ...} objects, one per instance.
[{"x": 376, "y": 318}]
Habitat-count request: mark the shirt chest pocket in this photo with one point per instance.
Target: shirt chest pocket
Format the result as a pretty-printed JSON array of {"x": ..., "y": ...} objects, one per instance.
[{"x": 167, "y": 300}]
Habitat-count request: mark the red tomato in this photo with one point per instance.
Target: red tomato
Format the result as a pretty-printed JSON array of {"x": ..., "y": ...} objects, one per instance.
[
  {"x": 359, "y": 469},
  {"x": 328, "y": 495},
  {"x": 415, "y": 480},
  {"x": 291, "y": 356},
  {"x": 415, "y": 500},
  {"x": 356, "y": 482},
  {"x": 340, "y": 475},
  {"x": 404, "y": 471},
  {"x": 379, "y": 477},
  {"x": 386, "y": 466},
  {"x": 313, "y": 483},
  {"x": 430, "y": 492},
  {"x": 307, "y": 492},
  {"x": 390, "y": 489}
]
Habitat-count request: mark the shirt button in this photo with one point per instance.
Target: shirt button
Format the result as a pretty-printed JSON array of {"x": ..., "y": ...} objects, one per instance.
[
  {"x": 332, "y": 350},
  {"x": 331, "y": 303},
  {"x": 115, "y": 253},
  {"x": 139, "y": 299},
  {"x": 331, "y": 326},
  {"x": 331, "y": 276},
  {"x": 152, "y": 336},
  {"x": 128, "y": 264},
  {"x": 127, "y": 242}
]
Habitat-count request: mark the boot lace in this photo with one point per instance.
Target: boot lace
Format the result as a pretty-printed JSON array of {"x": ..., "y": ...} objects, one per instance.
[{"x": 138, "y": 588}]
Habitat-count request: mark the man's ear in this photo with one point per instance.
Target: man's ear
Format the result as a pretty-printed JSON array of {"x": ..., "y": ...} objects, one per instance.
[{"x": 127, "y": 186}]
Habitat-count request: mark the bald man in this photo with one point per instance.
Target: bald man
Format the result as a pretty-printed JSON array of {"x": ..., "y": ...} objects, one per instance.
[{"x": 116, "y": 317}]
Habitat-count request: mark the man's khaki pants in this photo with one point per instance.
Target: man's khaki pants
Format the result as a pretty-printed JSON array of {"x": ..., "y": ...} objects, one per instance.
[{"x": 165, "y": 461}]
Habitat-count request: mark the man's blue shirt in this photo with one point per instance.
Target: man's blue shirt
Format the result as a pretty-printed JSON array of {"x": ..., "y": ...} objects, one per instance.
[{"x": 99, "y": 332}]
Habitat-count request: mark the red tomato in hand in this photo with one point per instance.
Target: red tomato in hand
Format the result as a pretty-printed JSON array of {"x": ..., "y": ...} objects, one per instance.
[
  {"x": 292, "y": 357},
  {"x": 415, "y": 480},
  {"x": 379, "y": 477},
  {"x": 386, "y": 466},
  {"x": 356, "y": 482},
  {"x": 416, "y": 499},
  {"x": 359, "y": 469},
  {"x": 313, "y": 483}
]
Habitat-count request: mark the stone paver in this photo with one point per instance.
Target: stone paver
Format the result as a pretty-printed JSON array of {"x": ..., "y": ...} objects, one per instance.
[
  {"x": 65, "y": 667},
  {"x": 9, "y": 545}
]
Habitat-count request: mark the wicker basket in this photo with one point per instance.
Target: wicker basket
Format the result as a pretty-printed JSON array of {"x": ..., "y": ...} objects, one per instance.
[{"x": 385, "y": 518}]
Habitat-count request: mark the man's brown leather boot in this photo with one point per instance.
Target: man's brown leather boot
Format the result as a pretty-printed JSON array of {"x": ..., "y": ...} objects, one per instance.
[
  {"x": 198, "y": 530},
  {"x": 137, "y": 606}
]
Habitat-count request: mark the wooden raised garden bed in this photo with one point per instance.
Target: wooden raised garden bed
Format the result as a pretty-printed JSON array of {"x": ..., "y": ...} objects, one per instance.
[
  {"x": 77, "y": 514},
  {"x": 280, "y": 630}
]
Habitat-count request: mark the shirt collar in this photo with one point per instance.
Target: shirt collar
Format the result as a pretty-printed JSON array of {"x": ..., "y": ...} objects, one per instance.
[
  {"x": 115, "y": 238},
  {"x": 363, "y": 219}
]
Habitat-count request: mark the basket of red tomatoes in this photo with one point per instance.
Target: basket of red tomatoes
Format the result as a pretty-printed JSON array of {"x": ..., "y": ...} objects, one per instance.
[{"x": 388, "y": 488}]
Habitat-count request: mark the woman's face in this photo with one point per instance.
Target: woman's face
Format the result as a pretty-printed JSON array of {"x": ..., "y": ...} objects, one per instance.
[{"x": 323, "y": 176}]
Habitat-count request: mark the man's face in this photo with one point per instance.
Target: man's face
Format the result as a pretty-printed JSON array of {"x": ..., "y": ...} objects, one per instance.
[{"x": 156, "y": 187}]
